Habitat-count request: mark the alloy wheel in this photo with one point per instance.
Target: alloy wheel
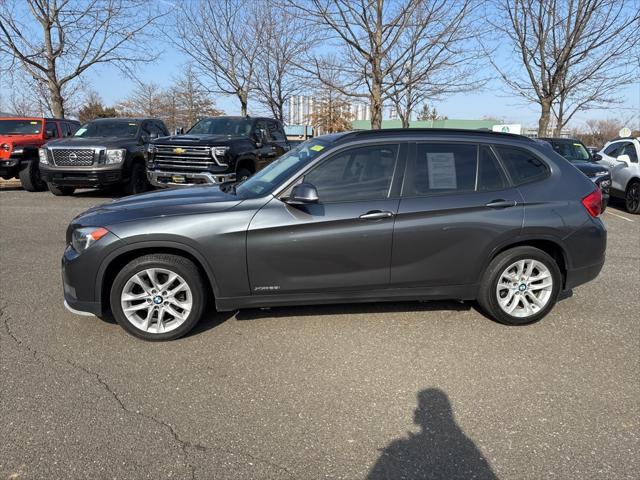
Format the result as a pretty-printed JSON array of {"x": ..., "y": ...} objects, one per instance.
[
  {"x": 156, "y": 300},
  {"x": 524, "y": 288}
]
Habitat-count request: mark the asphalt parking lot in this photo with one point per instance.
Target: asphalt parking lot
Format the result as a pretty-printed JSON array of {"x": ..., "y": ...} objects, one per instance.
[{"x": 404, "y": 390}]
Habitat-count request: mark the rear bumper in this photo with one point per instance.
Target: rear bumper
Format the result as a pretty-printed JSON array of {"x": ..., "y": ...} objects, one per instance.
[
  {"x": 579, "y": 276},
  {"x": 164, "y": 179},
  {"x": 78, "y": 178}
]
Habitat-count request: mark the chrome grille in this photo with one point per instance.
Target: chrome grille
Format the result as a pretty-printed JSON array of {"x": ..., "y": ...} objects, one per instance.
[
  {"x": 187, "y": 157},
  {"x": 65, "y": 157}
]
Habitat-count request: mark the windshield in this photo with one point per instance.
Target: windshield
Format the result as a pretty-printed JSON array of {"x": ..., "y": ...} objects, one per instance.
[
  {"x": 271, "y": 176},
  {"x": 572, "y": 151},
  {"x": 20, "y": 127},
  {"x": 108, "y": 129},
  {"x": 222, "y": 126}
]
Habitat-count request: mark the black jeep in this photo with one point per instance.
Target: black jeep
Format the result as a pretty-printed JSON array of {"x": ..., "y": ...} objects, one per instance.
[
  {"x": 216, "y": 150},
  {"x": 103, "y": 152}
]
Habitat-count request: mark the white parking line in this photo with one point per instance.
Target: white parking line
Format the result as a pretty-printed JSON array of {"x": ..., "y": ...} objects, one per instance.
[{"x": 619, "y": 216}]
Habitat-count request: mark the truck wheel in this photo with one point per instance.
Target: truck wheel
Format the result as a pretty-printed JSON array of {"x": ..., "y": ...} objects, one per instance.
[
  {"x": 632, "y": 197},
  {"x": 242, "y": 174},
  {"x": 158, "y": 297},
  {"x": 138, "y": 182},
  {"x": 520, "y": 286},
  {"x": 30, "y": 177},
  {"x": 61, "y": 190}
]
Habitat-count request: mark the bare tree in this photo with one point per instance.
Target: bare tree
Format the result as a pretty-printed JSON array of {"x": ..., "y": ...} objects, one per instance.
[
  {"x": 57, "y": 41},
  {"x": 371, "y": 42},
  {"x": 330, "y": 112},
  {"x": 146, "y": 100},
  {"x": 220, "y": 36},
  {"x": 441, "y": 56},
  {"x": 190, "y": 100},
  {"x": 573, "y": 54},
  {"x": 283, "y": 41},
  {"x": 94, "y": 108}
]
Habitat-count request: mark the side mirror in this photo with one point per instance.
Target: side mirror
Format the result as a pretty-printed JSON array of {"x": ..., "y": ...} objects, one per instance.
[
  {"x": 624, "y": 159},
  {"x": 302, "y": 194},
  {"x": 179, "y": 131},
  {"x": 49, "y": 133},
  {"x": 597, "y": 157},
  {"x": 154, "y": 135},
  {"x": 261, "y": 137},
  {"x": 144, "y": 138}
]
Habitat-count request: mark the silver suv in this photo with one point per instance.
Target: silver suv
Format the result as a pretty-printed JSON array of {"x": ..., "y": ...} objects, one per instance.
[{"x": 621, "y": 156}]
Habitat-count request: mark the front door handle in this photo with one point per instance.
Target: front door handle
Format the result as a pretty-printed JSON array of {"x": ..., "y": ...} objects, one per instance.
[
  {"x": 376, "y": 215},
  {"x": 501, "y": 204}
]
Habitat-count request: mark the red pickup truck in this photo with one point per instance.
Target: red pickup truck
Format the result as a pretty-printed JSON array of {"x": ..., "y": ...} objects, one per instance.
[{"x": 20, "y": 138}]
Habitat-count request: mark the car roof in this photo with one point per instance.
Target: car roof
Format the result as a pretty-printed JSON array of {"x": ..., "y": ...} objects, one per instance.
[
  {"x": 560, "y": 139},
  {"x": 124, "y": 119},
  {"x": 421, "y": 132},
  {"x": 46, "y": 119}
]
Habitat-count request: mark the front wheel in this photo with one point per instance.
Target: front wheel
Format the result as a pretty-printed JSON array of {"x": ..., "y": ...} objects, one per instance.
[
  {"x": 158, "y": 297},
  {"x": 632, "y": 197},
  {"x": 60, "y": 190},
  {"x": 138, "y": 182},
  {"x": 520, "y": 286},
  {"x": 30, "y": 177}
]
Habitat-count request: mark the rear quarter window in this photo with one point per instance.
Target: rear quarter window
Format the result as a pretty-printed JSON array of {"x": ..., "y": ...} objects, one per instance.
[{"x": 522, "y": 165}]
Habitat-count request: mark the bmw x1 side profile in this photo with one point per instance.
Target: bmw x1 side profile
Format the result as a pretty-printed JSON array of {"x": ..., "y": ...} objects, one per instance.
[{"x": 362, "y": 216}]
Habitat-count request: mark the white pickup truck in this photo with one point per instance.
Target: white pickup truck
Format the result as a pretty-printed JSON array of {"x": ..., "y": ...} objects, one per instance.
[{"x": 621, "y": 157}]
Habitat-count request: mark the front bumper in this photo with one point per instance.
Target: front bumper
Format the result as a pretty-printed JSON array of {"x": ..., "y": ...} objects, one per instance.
[
  {"x": 81, "y": 178},
  {"x": 10, "y": 167},
  {"x": 164, "y": 179}
]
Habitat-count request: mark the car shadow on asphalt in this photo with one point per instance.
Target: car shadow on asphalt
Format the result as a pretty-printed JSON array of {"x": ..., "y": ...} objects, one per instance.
[
  {"x": 441, "y": 450},
  {"x": 352, "y": 309}
]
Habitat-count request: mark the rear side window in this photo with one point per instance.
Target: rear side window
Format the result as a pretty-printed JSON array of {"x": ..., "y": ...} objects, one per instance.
[
  {"x": 442, "y": 167},
  {"x": 629, "y": 149},
  {"x": 490, "y": 175},
  {"x": 522, "y": 165}
]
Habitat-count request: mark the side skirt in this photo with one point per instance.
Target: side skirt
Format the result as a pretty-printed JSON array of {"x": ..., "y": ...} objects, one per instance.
[{"x": 452, "y": 292}]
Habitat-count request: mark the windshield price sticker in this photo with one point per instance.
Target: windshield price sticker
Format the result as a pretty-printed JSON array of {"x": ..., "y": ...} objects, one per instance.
[{"x": 316, "y": 148}]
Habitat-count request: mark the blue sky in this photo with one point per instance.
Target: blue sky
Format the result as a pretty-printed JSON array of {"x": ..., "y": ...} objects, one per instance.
[{"x": 493, "y": 100}]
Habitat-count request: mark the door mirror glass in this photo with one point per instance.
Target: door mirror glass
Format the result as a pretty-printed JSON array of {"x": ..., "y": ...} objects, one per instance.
[
  {"x": 49, "y": 133},
  {"x": 624, "y": 159},
  {"x": 597, "y": 157},
  {"x": 179, "y": 131},
  {"x": 154, "y": 135},
  {"x": 302, "y": 194},
  {"x": 145, "y": 137},
  {"x": 261, "y": 137}
]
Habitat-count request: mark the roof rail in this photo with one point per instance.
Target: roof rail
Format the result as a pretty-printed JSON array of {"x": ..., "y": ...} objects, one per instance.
[{"x": 431, "y": 131}]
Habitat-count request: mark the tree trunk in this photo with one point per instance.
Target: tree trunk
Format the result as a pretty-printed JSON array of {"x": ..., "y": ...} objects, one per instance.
[
  {"x": 376, "y": 101},
  {"x": 242, "y": 96},
  {"x": 405, "y": 119},
  {"x": 57, "y": 102},
  {"x": 545, "y": 116}
]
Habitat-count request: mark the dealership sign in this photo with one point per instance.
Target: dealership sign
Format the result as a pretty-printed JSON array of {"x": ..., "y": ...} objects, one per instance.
[{"x": 514, "y": 128}]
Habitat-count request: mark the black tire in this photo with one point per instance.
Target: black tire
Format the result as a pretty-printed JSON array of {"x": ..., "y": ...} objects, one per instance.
[
  {"x": 61, "y": 190},
  {"x": 30, "y": 177},
  {"x": 138, "y": 182},
  {"x": 632, "y": 197},
  {"x": 488, "y": 297},
  {"x": 242, "y": 174},
  {"x": 185, "y": 268}
]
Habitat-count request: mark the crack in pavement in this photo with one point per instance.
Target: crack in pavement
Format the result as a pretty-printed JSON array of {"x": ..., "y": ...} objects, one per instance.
[{"x": 183, "y": 444}]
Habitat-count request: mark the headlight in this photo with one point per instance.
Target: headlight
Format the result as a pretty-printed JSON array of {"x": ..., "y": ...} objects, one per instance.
[
  {"x": 602, "y": 173},
  {"x": 219, "y": 152},
  {"x": 115, "y": 156},
  {"x": 42, "y": 153},
  {"x": 6, "y": 147},
  {"x": 83, "y": 238}
]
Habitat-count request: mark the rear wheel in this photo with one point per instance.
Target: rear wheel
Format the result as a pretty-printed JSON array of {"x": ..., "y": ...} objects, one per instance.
[
  {"x": 520, "y": 286},
  {"x": 61, "y": 190},
  {"x": 30, "y": 177},
  {"x": 158, "y": 297},
  {"x": 632, "y": 197}
]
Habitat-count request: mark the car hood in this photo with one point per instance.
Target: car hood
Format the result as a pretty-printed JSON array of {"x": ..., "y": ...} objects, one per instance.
[
  {"x": 161, "y": 203},
  {"x": 17, "y": 140},
  {"x": 188, "y": 139},
  {"x": 116, "y": 142},
  {"x": 589, "y": 168}
]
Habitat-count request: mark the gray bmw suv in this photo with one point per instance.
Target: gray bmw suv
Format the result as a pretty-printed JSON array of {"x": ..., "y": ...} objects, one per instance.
[{"x": 351, "y": 217}]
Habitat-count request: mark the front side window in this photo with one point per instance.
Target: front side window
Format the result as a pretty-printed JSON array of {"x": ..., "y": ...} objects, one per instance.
[
  {"x": 522, "y": 165},
  {"x": 613, "y": 149},
  {"x": 362, "y": 173},
  {"x": 275, "y": 133},
  {"x": 51, "y": 130},
  {"x": 119, "y": 128},
  {"x": 441, "y": 168}
]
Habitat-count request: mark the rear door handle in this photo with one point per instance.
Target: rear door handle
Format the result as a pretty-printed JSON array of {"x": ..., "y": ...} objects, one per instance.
[
  {"x": 376, "y": 215},
  {"x": 501, "y": 204}
]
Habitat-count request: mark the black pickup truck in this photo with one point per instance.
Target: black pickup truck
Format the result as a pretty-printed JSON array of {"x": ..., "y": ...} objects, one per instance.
[
  {"x": 216, "y": 150},
  {"x": 103, "y": 152}
]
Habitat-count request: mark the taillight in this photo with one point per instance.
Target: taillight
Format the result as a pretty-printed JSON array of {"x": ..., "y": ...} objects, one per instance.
[{"x": 593, "y": 202}]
